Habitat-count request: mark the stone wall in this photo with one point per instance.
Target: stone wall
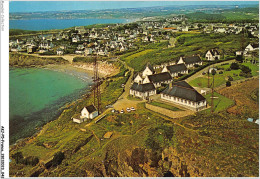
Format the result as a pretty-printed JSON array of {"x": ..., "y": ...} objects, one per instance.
[{"x": 167, "y": 112}]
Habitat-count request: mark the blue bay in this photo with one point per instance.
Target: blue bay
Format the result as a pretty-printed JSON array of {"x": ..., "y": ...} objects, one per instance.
[
  {"x": 36, "y": 96},
  {"x": 49, "y": 24}
]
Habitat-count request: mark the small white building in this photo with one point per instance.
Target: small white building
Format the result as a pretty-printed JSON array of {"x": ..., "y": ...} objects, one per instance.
[
  {"x": 175, "y": 70},
  {"x": 212, "y": 55},
  {"x": 138, "y": 78},
  {"x": 148, "y": 70},
  {"x": 181, "y": 93},
  {"x": 190, "y": 61},
  {"x": 89, "y": 112},
  {"x": 142, "y": 90},
  {"x": 158, "y": 79}
]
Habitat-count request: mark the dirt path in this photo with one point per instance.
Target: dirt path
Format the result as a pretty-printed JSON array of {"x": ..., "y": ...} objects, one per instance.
[{"x": 123, "y": 102}]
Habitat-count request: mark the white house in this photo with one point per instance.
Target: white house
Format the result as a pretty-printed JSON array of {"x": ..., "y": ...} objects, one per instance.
[
  {"x": 138, "y": 78},
  {"x": 212, "y": 55},
  {"x": 142, "y": 90},
  {"x": 251, "y": 47},
  {"x": 190, "y": 61},
  {"x": 88, "y": 112},
  {"x": 175, "y": 70},
  {"x": 60, "y": 51},
  {"x": 158, "y": 79},
  {"x": 148, "y": 70},
  {"x": 181, "y": 93}
]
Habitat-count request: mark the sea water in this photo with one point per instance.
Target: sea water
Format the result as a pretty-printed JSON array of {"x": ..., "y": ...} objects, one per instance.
[
  {"x": 37, "y": 94},
  {"x": 49, "y": 24}
]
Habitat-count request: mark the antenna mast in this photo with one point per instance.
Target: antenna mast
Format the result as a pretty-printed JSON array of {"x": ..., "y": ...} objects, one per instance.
[{"x": 96, "y": 79}]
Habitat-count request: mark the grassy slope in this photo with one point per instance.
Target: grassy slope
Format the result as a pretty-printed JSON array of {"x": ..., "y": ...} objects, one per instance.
[{"x": 187, "y": 44}]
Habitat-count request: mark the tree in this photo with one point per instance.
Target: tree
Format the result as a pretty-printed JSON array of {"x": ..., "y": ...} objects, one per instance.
[
  {"x": 57, "y": 159},
  {"x": 228, "y": 83},
  {"x": 18, "y": 156},
  {"x": 234, "y": 66},
  {"x": 245, "y": 69},
  {"x": 239, "y": 58}
]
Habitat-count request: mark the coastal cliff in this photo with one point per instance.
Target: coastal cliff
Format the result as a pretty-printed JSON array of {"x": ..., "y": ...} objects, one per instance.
[{"x": 23, "y": 60}]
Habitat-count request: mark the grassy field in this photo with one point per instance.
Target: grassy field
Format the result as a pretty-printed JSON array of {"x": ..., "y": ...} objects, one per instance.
[
  {"x": 166, "y": 106},
  {"x": 220, "y": 102},
  {"x": 187, "y": 44},
  {"x": 245, "y": 105},
  {"x": 221, "y": 79}
]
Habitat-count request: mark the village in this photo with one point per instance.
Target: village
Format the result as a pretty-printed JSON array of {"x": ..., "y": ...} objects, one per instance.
[
  {"x": 113, "y": 40},
  {"x": 169, "y": 96}
]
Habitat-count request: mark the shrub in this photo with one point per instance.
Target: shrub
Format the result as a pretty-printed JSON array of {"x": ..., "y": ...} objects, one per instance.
[
  {"x": 228, "y": 69},
  {"x": 245, "y": 69},
  {"x": 239, "y": 58},
  {"x": 18, "y": 156},
  {"x": 221, "y": 72},
  {"x": 234, "y": 66},
  {"x": 57, "y": 159},
  {"x": 230, "y": 78},
  {"x": 228, "y": 83}
]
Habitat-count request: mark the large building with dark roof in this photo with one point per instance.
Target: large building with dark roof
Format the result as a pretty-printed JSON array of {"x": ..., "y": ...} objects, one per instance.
[
  {"x": 158, "y": 79},
  {"x": 181, "y": 93},
  {"x": 190, "y": 61},
  {"x": 175, "y": 70},
  {"x": 142, "y": 90}
]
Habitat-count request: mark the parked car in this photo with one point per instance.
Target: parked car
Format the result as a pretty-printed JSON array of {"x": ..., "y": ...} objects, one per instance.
[
  {"x": 109, "y": 106},
  {"x": 113, "y": 110},
  {"x": 132, "y": 109},
  {"x": 122, "y": 111},
  {"x": 128, "y": 109}
]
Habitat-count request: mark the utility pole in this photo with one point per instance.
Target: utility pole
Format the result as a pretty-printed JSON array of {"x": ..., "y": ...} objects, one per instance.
[
  {"x": 213, "y": 72},
  {"x": 96, "y": 79},
  {"x": 208, "y": 78}
]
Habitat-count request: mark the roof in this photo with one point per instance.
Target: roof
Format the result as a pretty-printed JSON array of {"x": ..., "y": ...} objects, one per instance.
[
  {"x": 183, "y": 90},
  {"x": 191, "y": 60},
  {"x": 150, "y": 67},
  {"x": 160, "y": 77},
  {"x": 214, "y": 52},
  {"x": 91, "y": 108},
  {"x": 255, "y": 45},
  {"x": 176, "y": 68},
  {"x": 143, "y": 87}
]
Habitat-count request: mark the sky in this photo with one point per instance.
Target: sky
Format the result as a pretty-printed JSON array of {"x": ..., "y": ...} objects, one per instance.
[{"x": 37, "y": 6}]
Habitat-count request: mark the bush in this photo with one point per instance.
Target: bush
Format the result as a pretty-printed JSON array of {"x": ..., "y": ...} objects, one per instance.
[
  {"x": 228, "y": 69},
  {"x": 239, "y": 58},
  {"x": 18, "y": 156},
  {"x": 234, "y": 66},
  {"x": 246, "y": 75},
  {"x": 57, "y": 159},
  {"x": 221, "y": 72},
  {"x": 228, "y": 83},
  {"x": 230, "y": 78},
  {"x": 245, "y": 69}
]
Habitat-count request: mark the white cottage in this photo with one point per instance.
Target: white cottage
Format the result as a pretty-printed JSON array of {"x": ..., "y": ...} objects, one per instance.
[
  {"x": 158, "y": 79},
  {"x": 212, "y": 55},
  {"x": 142, "y": 90},
  {"x": 89, "y": 112},
  {"x": 148, "y": 70},
  {"x": 190, "y": 61}
]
